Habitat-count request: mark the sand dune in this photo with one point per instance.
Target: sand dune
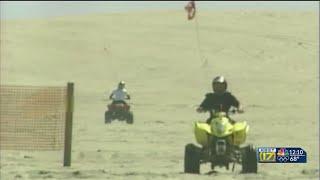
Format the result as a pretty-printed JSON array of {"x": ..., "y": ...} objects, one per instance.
[{"x": 270, "y": 59}]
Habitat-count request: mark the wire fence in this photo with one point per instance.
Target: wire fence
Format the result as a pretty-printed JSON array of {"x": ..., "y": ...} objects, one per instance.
[{"x": 32, "y": 117}]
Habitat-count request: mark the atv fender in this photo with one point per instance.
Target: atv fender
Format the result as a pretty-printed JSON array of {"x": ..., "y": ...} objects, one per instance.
[
  {"x": 240, "y": 131},
  {"x": 202, "y": 131}
]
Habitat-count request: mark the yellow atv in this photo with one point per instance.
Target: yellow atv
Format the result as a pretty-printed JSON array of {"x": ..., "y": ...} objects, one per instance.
[{"x": 221, "y": 144}]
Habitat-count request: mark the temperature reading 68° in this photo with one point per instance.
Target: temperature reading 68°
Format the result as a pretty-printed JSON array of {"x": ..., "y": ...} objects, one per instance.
[{"x": 294, "y": 158}]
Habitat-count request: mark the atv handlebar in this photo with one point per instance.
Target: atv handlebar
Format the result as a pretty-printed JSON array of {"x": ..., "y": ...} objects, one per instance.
[{"x": 232, "y": 111}]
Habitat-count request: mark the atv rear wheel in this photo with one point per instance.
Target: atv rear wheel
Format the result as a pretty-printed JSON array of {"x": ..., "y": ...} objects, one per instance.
[
  {"x": 192, "y": 159},
  {"x": 107, "y": 117},
  {"x": 130, "y": 118},
  {"x": 249, "y": 160}
]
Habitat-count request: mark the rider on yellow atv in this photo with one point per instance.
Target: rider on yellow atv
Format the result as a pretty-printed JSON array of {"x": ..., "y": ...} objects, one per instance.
[{"x": 220, "y": 100}]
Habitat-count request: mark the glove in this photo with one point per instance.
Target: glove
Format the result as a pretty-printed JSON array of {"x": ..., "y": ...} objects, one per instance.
[
  {"x": 200, "y": 110},
  {"x": 240, "y": 110}
]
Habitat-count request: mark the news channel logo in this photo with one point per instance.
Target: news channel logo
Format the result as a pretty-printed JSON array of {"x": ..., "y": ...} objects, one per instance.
[{"x": 281, "y": 155}]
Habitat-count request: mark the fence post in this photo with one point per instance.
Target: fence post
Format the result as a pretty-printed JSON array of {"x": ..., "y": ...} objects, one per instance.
[{"x": 68, "y": 125}]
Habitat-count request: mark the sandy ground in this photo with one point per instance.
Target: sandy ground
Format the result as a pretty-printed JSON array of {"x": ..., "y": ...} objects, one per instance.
[{"x": 269, "y": 58}]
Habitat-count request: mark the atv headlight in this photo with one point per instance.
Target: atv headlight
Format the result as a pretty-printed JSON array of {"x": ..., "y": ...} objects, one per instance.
[{"x": 220, "y": 128}]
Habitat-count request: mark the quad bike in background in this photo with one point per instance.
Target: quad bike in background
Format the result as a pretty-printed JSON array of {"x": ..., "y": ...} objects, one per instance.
[
  {"x": 221, "y": 145},
  {"x": 120, "y": 111}
]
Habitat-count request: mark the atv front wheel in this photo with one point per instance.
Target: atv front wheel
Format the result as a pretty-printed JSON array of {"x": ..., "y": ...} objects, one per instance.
[
  {"x": 107, "y": 117},
  {"x": 192, "y": 159},
  {"x": 130, "y": 118},
  {"x": 249, "y": 160}
]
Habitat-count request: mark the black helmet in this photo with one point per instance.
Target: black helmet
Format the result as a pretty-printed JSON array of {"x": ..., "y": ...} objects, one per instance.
[{"x": 219, "y": 84}]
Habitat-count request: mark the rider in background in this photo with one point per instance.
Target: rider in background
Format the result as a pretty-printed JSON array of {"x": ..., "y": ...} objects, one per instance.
[
  {"x": 220, "y": 100},
  {"x": 120, "y": 94},
  {"x": 191, "y": 9}
]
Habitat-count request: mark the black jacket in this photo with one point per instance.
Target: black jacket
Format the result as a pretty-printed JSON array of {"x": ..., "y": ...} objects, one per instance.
[{"x": 221, "y": 102}]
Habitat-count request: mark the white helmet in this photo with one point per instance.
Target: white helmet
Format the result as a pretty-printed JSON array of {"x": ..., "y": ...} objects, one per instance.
[{"x": 122, "y": 83}]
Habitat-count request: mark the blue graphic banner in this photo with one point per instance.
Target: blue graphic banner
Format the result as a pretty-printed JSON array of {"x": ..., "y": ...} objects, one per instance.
[{"x": 281, "y": 155}]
